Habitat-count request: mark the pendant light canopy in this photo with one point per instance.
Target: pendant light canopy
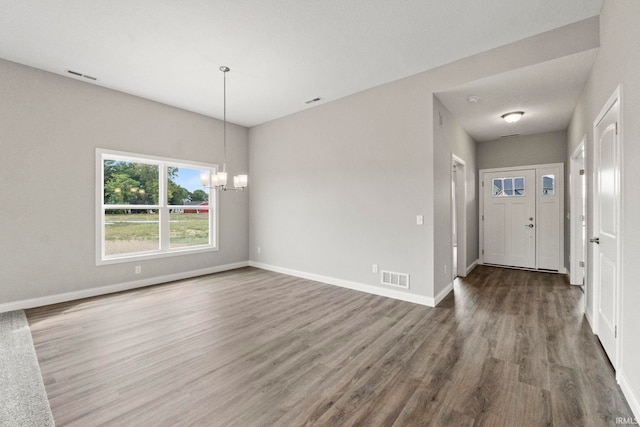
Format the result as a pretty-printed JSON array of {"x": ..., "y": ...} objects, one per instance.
[{"x": 219, "y": 180}]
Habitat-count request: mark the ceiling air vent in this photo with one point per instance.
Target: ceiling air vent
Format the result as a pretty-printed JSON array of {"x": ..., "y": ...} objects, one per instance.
[
  {"x": 510, "y": 136},
  {"x": 75, "y": 73},
  {"x": 312, "y": 101},
  {"x": 399, "y": 280}
]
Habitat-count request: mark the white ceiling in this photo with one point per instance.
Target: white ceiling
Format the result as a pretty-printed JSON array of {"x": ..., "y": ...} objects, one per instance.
[
  {"x": 547, "y": 93},
  {"x": 281, "y": 52}
]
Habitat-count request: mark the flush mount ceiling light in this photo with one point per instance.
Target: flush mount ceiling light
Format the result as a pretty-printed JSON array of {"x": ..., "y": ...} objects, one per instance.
[
  {"x": 219, "y": 180},
  {"x": 513, "y": 116}
]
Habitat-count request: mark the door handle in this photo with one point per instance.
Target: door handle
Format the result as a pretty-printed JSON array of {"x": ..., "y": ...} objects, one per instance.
[
  {"x": 595, "y": 240},
  {"x": 529, "y": 225}
]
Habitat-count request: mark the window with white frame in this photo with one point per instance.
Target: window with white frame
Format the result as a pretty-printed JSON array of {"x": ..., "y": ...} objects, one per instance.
[{"x": 152, "y": 207}]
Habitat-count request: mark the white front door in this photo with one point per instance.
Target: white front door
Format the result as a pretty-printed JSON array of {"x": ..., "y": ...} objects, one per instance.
[
  {"x": 509, "y": 218},
  {"x": 607, "y": 227}
]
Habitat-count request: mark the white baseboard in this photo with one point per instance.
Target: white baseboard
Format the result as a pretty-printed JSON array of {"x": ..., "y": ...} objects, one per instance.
[
  {"x": 589, "y": 319},
  {"x": 473, "y": 265},
  {"x": 443, "y": 293},
  {"x": 118, "y": 287},
  {"x": 370, "y": 289},
  {"x": 630, "y": 395}
]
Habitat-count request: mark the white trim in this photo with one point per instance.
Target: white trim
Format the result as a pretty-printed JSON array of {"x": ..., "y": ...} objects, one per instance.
[
  {"x": 356, "y": 286},
  {"x": 145, "y": 256},
  {"x": 473, "y": 265},
  {"x": 117, "y": 287},
  {"x": 519, "y": 168},
  {"x": 632, "y": 399},
  {"x": 578, "y": 159},
  {"x": 587, "y": 314},
  {"x": 443, "y": 293}
]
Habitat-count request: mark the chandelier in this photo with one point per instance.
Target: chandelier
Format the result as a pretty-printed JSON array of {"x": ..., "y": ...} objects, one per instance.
[{"x": 219, "y": 179}]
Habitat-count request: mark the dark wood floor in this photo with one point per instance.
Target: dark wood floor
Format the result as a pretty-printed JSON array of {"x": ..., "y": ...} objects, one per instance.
[{"x": 255, "y": 348}]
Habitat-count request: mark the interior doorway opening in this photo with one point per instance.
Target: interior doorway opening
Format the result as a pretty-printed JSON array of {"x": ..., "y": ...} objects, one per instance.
[{"x": 458, "y": 218}]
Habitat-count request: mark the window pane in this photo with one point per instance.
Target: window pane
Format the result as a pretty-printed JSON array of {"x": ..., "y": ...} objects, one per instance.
[
  {"x": 184, "y": 186},
  {"x": 130, "y": 183},
  {"x": 189, "y": 226},
  {"x": 497, "y": 187},
  {"x": 131, "y": 230},
  {"x": 518, "y": 186},
  {"x": 144, "y": 217},
  {"x": 508, "y": 186},
  {"x": 548, "y": 187}
]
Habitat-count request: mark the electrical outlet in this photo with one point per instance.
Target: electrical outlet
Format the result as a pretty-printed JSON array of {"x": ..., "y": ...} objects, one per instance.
[
  {"x": 419, "y": 219},
  {"x": 259, "y": 249},
  {"x": 374, "y": 269},
  {"x": 445, "y": 269},
  {"x": 138, "y": 269}
]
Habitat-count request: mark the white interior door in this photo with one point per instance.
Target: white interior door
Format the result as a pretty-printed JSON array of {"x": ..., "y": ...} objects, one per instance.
[
  {"x": 607, "y": 228},
  {"x": 509, "y": 218}
]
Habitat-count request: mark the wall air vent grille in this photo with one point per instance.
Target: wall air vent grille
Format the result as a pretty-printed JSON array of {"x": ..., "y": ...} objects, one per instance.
[
  {"x": 314, "y": 100},
  {"x": 399, "y": 280}
]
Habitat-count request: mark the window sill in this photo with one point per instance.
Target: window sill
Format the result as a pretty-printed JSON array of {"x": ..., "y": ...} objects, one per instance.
[{"x": 144, "y": 256}]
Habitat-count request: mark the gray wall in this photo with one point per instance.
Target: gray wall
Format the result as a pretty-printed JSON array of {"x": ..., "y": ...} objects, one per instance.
[
  {"x": 617, "y": 63},
  {"x": 450, "y": 133},
  {"x": 337, "y": 187},
  {"x": 50, "y": 127},
  {"x": 537, "y": 149}
]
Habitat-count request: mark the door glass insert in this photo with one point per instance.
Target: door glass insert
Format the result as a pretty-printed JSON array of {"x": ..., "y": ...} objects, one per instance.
[
  {"x": 518, "y": 186},
  {"x": 548, "y": 185},
  {"x": 497, "y": 187},
  {"x": 508, "y": 187}
]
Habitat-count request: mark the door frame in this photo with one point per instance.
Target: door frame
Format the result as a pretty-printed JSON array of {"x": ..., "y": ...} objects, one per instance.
[
  {"x": 561, "y": 264},
  {"x": 578, "y": 162},
  {"x": 461, "y": 214},
  {"x": 615, "y": 97}
]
